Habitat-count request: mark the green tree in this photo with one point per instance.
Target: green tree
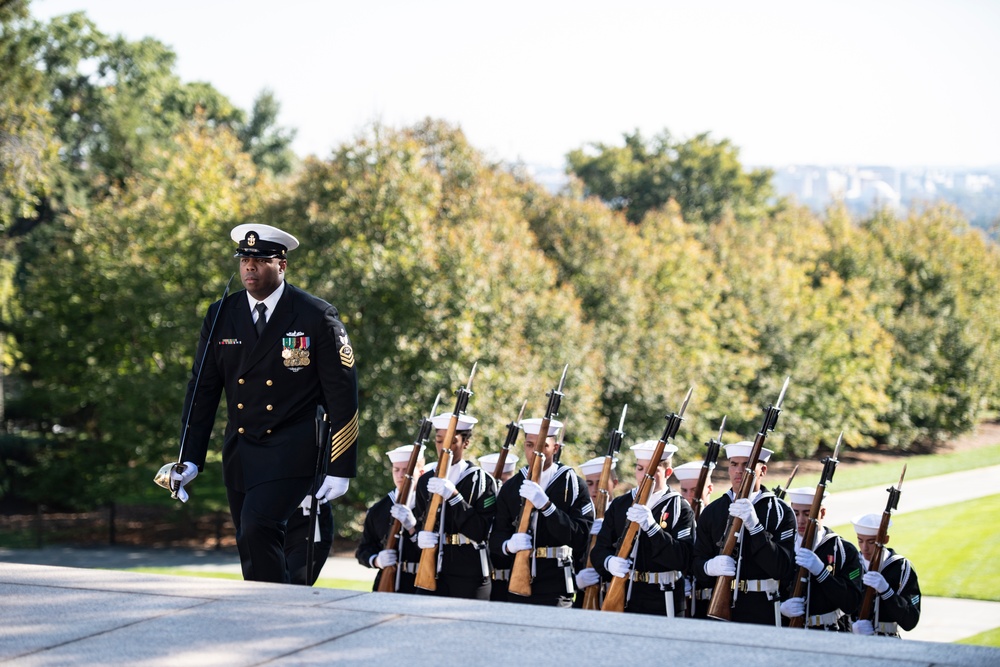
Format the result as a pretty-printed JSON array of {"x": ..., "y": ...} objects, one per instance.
[{"x": 704, "y": 176}]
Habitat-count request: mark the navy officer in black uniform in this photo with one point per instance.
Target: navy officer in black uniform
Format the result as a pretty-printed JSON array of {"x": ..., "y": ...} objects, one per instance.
[{"x": 278, "y": 353}]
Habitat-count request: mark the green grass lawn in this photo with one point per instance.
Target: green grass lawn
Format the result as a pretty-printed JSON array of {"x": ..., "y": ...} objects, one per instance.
[
  {"x": 885, "y": 474},
  {"x": 345, "y": 584},
  {"x": 988, "y": 638},
  {"x": 955, "y": 549}
]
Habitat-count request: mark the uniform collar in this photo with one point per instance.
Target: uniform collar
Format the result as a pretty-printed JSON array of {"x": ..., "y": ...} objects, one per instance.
[{"x": 271, "y": 301}]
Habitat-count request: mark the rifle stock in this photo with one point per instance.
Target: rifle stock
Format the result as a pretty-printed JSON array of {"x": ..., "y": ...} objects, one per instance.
[
  {"x": 614, "y": 598},
  {"x": 427, "y": 567},
  {"x": 720, "y": 606},
  {"x": 520, "y": 572},
  {"x": 592, "y": 594},
  {"x": 809, "y": 536},
  {"x": 388, "y": 583},
  {"x": 867, "y": 611}
]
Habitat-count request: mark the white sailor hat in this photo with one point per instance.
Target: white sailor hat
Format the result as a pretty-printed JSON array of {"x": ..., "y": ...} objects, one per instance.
[
  {"x": 690, "y": 470},
  {"x": 802, "y": 495},
  {"x": 465, "y": 422},
  {"x": 262, "y": 241},
  {"x": 742, "y": 449},
  {"x": 596, "y": 466},
  {"x": 867, "y": 525},
  {"x": 644, "y": 450},
  {"x": 532, "y": 426},
  {"x": 488, "y": 462},
  {"x": 402, "y": 454}
]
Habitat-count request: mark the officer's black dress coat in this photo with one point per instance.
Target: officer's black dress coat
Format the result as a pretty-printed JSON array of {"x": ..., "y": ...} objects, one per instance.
[
  {"x": 273, "y": 386},
  {"x": 668, "y": 546},
  {"x": 568, "y": 525},
  {"x": 462, "y": 571},
  {"x": 768, "y": 554},
  {"x": 839, "y": 585},
  {"x": 374, "y": 537}
]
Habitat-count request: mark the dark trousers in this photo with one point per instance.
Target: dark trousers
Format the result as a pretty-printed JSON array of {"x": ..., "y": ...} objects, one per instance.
[
  {"x": 260, "y": 515},
  {"x": 297, "y": 538}
]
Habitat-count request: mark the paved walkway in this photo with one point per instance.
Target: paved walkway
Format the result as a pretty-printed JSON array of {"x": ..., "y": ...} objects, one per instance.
[
  {"x": 917, "y": 495},
  {"x": 68, "y": 616}
]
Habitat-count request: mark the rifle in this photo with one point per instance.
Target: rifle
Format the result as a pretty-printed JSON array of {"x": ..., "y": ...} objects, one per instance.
[
  {"x": 389, "y": 581},
  {"x": 711, "y": 456},
  {"x": 868, "y": 602},
  {"x": 614, "y": 599},
  {"x": 323, "y": 444},
  {"x": 720, "y": 606},
  {"x": 520, "y": 572},
  {"x": 427, "y": 568},
  {"x": 591, "y": 594},
  {"x": 513, "y": 429},
  {"x": 162, "y": 477},
  {"x": 809, "y": 536},
  {"x": 780, "y": 492}
]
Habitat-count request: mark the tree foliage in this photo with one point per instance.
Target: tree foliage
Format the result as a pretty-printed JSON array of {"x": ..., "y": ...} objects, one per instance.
[{"x": 661, "y": 267}]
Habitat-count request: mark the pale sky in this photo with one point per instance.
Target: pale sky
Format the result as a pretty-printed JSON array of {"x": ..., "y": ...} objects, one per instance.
[{"x": 894, "y": 82}]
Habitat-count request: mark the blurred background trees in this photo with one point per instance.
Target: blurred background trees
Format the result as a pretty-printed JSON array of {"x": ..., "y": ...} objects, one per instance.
[{"x": 663, "y": 264}]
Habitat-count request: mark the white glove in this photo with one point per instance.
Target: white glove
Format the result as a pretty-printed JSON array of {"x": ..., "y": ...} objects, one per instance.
[
  {"x": 596, "y": 528},
  {"x": 809, "y": 560},
  {"x": 743, "y": 509},
  {"x": 534, "y": 494},
  {"x": 587, "y": 577},
  {"x": 427, "y": 539},
  {"x": 190, "y": 472},
  {"x": 618, "y": 567},
  {"x": 862, "y": 628},
  {"x": 385, "y": 558},
  {"x": 876, "y": 581},
  {"x": 793, "y": 607},
  {"x": 517, "y": 542},
  {"x": 442, "y": 486},
  {"x": 405, "y": 516},
  {"x": 720, "y": 566},
  {"x": 642, "y": 515},
  {"x": 332, "y": 488}
]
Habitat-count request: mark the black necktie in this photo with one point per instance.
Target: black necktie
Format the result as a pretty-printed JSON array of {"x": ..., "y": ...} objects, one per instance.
[{"x": 261, "y": 320}]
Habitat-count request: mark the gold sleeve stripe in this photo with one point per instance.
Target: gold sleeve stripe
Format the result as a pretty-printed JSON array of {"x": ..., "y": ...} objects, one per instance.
[{"x": 344, "y": 438}]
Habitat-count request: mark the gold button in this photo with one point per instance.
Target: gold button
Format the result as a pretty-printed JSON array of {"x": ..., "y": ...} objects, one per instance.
[
  {"x": 270, "y": 407},
  {"x": 239, "y": 405},
  {"x": 269, "y": 383},
  {"x": 240, "y": 429},
  {"x": 242, "y": 381}
]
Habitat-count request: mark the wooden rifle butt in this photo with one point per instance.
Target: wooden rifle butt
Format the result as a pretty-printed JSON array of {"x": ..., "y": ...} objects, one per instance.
[
  {"x": 614, "y": 597},
  {"x": 427, "y": 570},
  {"x": 720, "y": 606},
  {"x": 520, "y": 574},
  {"x": 387, "y": 580}
]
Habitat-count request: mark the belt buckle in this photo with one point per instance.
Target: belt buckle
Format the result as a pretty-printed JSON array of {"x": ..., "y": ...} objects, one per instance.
[{"x": 740, "y": 585}]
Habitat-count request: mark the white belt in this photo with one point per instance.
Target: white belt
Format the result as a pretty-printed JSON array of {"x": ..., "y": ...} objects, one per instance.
[
  {"x": 409, "y": 568},
  {"x": 657, "y": 577},
  {"x": 554, "y": 552},
  {"x": 756, "y": 585},
  {"x": 501, "y": 575},
  {"x": 703, "y": 594},
  {"x": 824, "y": 619},
  {"x": 458, "y": 539},
  {"x": 887, "y": 629}
]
